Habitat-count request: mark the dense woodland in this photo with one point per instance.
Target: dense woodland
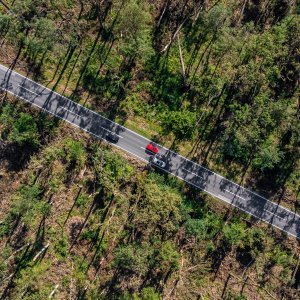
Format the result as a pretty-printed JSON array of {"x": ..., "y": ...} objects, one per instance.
[{"x": 215, "y": 80}]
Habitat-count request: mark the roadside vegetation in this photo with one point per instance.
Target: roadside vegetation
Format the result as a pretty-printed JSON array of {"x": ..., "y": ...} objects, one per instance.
[{"x": 218, "y": 81}]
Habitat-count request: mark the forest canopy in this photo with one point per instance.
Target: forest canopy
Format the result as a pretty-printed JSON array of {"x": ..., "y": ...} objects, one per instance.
[{"x": 217, "y": 82}]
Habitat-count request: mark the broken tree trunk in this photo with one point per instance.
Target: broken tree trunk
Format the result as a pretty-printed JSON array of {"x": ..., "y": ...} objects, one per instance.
[
  {"x": 163, "y": 13},
  {"x": 181, "y": 60},
  {"x": 18, "y": 250},
  {"x": 42, "y": 251},
  {"x": 180, "y": 26},
  {"x": 53, "y": 291},
  {"x": 174, "y": 36}
]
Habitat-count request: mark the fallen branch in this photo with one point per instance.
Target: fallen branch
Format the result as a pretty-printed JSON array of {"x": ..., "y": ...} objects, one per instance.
[
  {"x": 179, "y": 28},
  {"x": 253, "y": 284},
  {"x": 43, "y": 250},
  {"x": 20, "y": 249},
  {"x": 53, "y": 291},
  {"x": 163, "y": 13},
  {"x": 296, "y": 268},
  {"x": 174, "y": 36}
]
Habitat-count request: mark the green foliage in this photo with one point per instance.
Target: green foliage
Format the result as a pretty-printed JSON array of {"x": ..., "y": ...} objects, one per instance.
[
  {"x": 25, "y": 131},
  {"x": 51, "y": 154},
  {"x": 20, "y": 128},
  {"x": 75, "y": 153},
  {"x": 165, "y": 182},
  {"x": 167, "y": 257},
  {"x": 133, "y": 104},
  {"x": 181, "y": 123},
  {"x": 27, "y": 205},
  {"x": 256, "y": 239},
  {"x": 114, "y": 168},
  {"x": 230, "y": 295},
  {"x": 4, "y": 256},
  {"x": 280, "y": 257},
  {"x": 29, "y": 281},
  {"x": 234, "y": 233},
  {"x": 133, "y": 27},
  {"x": 61, "y": 246},
  {"x": 4, "y": 228},
  {"x": 147, "y": 293},
  {"x": 158, "y": 208},
  {"x": 268, "y": 156},
  {"x": 205, "y": 228},
  {"x": 133, "y": 258},
  {"x": 43, "y": 39},
  {"x": 5, "y": 21},
  {"x": 167, "y": 88},
  {"x": 7, "y": 114},
  {"x": 82, "y": 200},
  {"x": 242, "y": 73},
  {"x": 237, "y": 147}
]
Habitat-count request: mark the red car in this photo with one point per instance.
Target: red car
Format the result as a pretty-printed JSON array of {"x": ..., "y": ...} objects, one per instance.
[{"x": 152, "y": 148}]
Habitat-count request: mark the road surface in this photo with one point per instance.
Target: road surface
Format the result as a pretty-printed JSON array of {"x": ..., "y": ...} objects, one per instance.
[{"x": 135, "y": 144}]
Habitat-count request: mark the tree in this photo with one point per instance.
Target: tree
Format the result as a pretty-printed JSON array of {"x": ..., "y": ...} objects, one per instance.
[
  {"x": 280, "y": 257},
  {"x": 27, "y": 204},
  {"x": 19, "y": 128},
  {"x": 5, "y": 21},
  {"x": 158, "y": 210},
  {"x": 167, "y": 257},
  {"x": 76, "y": 154},
  {"x": 25, "y": 131},
  {"x": 204, "y": 228},
  {"x": 234, "y": 233},
  {"x": 133, "y": 258},
  {"x": 181, "y": 124},
  {"x": 268, "y": 156},
  {"x": 42, "y": 39},
  {"x": 134, "y": 30}
]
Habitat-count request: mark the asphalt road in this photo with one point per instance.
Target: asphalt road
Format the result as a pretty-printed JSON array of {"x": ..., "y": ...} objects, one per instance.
[{"x": 135, "y": 144}]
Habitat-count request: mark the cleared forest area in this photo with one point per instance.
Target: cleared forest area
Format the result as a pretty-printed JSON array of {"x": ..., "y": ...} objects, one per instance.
[{"x": 217, "y": 81}]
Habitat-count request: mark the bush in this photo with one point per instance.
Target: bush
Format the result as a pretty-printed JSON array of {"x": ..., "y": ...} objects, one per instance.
[
  {"x": 181, "y": 124},
  {"x": 234, "y": 234},
  {"x": 280, "y": 257}
]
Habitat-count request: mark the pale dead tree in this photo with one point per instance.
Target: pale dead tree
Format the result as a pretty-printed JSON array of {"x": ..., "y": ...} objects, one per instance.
[
  {"x": 195, "y": 12},
  {"x": 53, "y": 291},
  {"x": 72, "y": 285},
  {"x": 174, "y": 35},
  {"x": 177, "y": 281},
  {"x": 181, "y": 59},
  {"x": 42, "y": 251},
  {"x": 296, "y": 268},
  {"x": 242, "y": 10},
  {"x": 105, "y": 230},
  {"x": 163, "y": 13}
]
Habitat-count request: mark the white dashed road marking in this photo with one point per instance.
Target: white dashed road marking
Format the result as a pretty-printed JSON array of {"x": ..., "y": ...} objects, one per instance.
[
  {"x": 22, "y": 87},
  {"x": 235, "y": 194},
  {"x": 192, "y": 173}
]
